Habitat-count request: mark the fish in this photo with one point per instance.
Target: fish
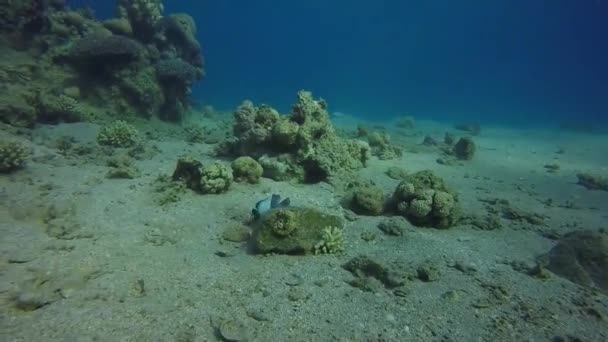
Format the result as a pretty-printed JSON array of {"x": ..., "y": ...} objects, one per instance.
[{"x": 267, "y": 204}]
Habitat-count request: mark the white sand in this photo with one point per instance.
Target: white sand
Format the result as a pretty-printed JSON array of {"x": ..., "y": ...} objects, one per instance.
[{"x": 92, "y": 282}]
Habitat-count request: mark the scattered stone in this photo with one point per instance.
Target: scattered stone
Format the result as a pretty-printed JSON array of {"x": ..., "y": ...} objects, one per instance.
[
  {"x": 230, "y": 330},
  {"x": 473, "y": 128},
  {"x": 428, "y": 272},
  {"x": 581, "y": 257},
  {"x": 449, "y": 139},
  {"x": 552, "y": 167},
  {"x": 464, "y": 149},
  {"x": 122, "y": 167},
  {"x": 396, "y": 173},
  {"x": 429, "y": 141},
  {"x": 368, "y": 236},
  {"x": 406, "y": 122},
  {"x": 236, "y": 232},
  {"x": 394, "y": 226},
  {"x": 592, "y": 182},
  {"x": 490, "y": 221},
  {"x": 363, "y": 267},
  {"x": 451, "y": 296}
]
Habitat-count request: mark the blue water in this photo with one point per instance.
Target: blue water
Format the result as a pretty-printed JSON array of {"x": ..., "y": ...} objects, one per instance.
[{"x": 525, "y": 61}]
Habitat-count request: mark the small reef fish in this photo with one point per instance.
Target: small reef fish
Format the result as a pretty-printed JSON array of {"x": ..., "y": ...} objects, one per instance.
[{"x": 264, "y": 206}]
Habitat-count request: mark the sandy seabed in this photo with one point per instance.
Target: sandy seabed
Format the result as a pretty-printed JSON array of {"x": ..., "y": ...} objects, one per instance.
[{"x": 86, "y": 258}]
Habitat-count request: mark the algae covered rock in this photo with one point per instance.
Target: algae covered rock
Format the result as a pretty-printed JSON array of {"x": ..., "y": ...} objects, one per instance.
[
  {"x": 464, "y": 148},
  {"x": 246, "y": 169},
  {"x": 424, "y": 200},
  {"x": 306, "y": 135},
  {"x": 581, "y": 257},
  {"x": 367, "y": 200},
  {"x": 213, "y": 179},
  {"x": 281, "y": 168},
  {"x": 298, "y": 231},
  {"x": 12, "y": 156},
  {"x": 592, "y": 182},
  {"x": 380, "y": 143}
]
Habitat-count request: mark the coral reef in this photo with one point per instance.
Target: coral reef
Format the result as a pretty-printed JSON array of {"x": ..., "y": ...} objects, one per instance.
[
  {"x": 298, "y": 231},
  {"x": 118, "y": 134},
  {"x": 246, "y": 169},
  {"x": 12, "y": 156},
  {"x": 142, "y": 16},
  {"x": 305, "y": 135},
  {"x": 213, "y": 179},
  {"x": 424, "y": 200},
  {"x": 138, "y": 63}
]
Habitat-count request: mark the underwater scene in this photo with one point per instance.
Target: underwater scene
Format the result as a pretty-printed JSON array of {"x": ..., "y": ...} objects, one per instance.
[{"x": 268, "y": 170}]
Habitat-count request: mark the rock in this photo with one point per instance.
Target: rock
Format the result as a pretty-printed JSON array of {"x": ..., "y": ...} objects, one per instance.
[
  {"x": 592, "y": 182},
  {"x": 364, "y": 267},
  {"x": 367, "y": 200},
  {"x": 581, "y": 257},
  {"x": 464, "y": 148},
  {"x": 393, "y": 226},
  {"x": 292, "y": 230},
  {"x": 236, "y": 233}
]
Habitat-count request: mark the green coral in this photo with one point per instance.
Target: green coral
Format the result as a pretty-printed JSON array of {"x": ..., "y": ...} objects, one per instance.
[
  {"x": 332, "y": 241},
  {"x": 247, "y": 169},
  {"x": 306, "y": 134},
  {"x": 285, "y": 132},
  {"x": 12, "y": 156},
  {"x": 118, "y": 134},
  {"x": 424, "y": 199},
  {"x": 142, "y": 88},
  {"x": 282, "y": 223},
  {"x": 215, "y": 179},
  {"x": 143, "y": 15},
  {"x": 296, "y": 231},
  {"x": 59, "y": 108}
]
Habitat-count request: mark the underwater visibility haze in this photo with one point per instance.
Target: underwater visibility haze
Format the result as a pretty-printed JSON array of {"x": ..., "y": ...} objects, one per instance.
[{"x": 304, "y": 171}]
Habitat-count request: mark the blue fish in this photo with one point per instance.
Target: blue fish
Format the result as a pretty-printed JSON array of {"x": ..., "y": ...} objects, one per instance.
[{"x": 264, "y": 206}]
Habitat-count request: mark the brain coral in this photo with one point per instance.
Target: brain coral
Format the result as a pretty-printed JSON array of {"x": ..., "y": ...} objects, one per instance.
[{"x": 424, "y": 199}]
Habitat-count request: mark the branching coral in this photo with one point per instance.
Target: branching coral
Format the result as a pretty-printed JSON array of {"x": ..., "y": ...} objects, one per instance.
[
  {"x": 118, "y": 134},
  {"x": 332, "y": 241},
  {"x": 12, "y": 156}
]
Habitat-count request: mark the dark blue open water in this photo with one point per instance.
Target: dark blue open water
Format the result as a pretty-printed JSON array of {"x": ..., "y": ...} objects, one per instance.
[{"x": 517, "y": 61}]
